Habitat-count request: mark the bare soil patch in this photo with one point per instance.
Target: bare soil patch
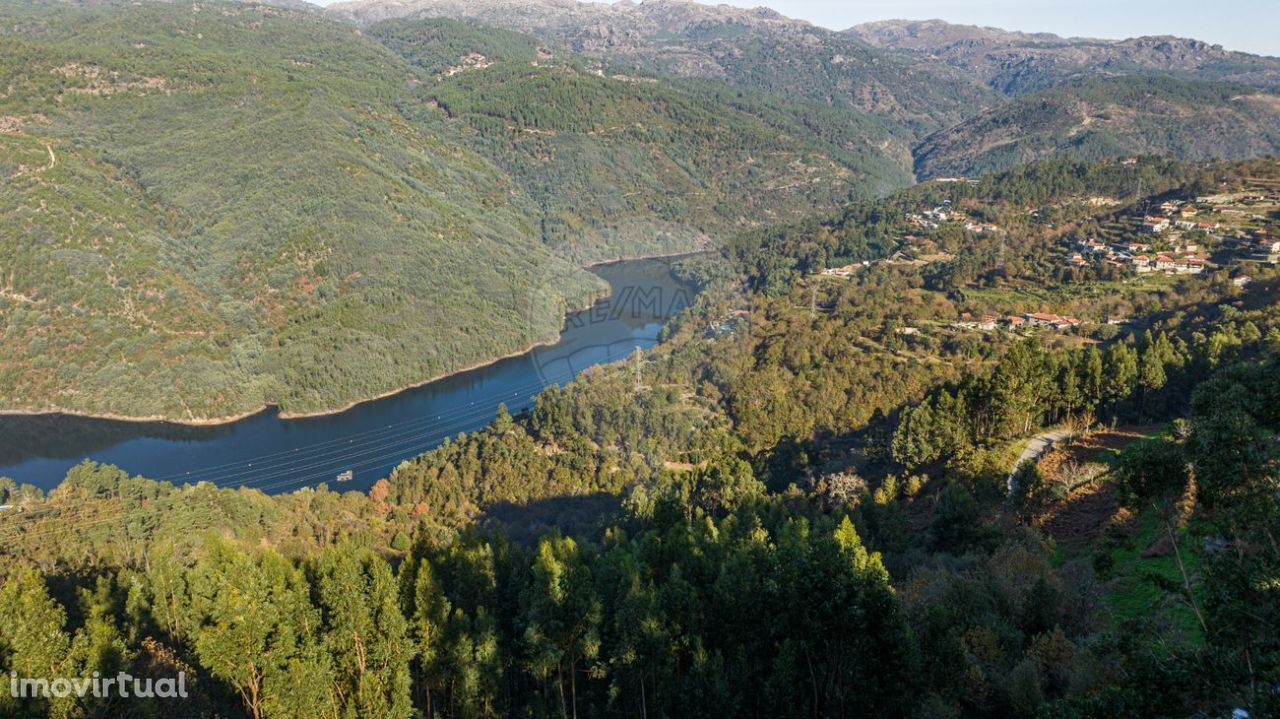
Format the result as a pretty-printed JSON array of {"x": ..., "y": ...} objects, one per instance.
[
  {"x": 1082, "y": 516},
  {"x": 1091, "y": 505}
]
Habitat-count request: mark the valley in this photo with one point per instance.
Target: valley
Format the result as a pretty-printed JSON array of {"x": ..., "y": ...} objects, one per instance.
[
  {"x": 466, "y": 359},
  {"x": 256, "y": 207},
  {"x": 271, "y": 207}
]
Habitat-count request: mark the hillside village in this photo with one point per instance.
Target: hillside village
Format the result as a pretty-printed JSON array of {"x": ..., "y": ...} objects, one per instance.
[
  {"x": 1236, "y": 233},
  {"x": 1189, "y": 236}
]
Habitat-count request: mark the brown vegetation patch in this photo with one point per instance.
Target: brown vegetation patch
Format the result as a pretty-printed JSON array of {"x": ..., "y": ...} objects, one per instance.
[
  {"x": 1083, "y": 515},
  {"x": 102, "y": 82},
  {"x": 471, "y": 61},
  {"x": 1091, "y": 505}
]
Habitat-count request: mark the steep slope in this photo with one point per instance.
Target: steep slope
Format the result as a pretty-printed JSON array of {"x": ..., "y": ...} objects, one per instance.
[
  {"x": 631, "y": 164},
  {"x": 258, "y": 206},
  {"x": 1113, "y": 117},
  {"x": 222, "y": 202},
  {"x": 1018, "y": 63},
  {"x": 757, "y": 49}
]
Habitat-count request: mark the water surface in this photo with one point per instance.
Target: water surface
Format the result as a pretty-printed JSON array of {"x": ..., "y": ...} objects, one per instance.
[{"x": 368, "y": 440}]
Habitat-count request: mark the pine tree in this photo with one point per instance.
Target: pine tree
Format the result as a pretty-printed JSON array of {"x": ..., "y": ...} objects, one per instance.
[
  {"x": 1091, "y": 377},
  {"x": 431, "y": 611},
  {"x": 1121, "y": 373},
  {"x": 1151, "y": 374}
]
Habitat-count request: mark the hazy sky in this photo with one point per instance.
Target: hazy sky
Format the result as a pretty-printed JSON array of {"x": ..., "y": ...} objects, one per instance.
[{"x": 1249, "y": 25}]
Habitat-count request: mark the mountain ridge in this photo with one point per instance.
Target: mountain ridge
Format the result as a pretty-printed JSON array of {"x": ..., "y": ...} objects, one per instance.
[
  {"x": 1109, "y": 117},
  {"x": 1016, "y": 63},
  {"x": 757, "y": 48}
]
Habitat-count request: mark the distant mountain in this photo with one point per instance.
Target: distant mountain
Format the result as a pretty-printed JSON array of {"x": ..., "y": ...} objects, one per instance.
[
  {"x": 1018, "y": 63},
  {"x": 930, "y": 35},
  {"x": 1110, "y": 117},
  {"x": 627, "y": 164},
  {"x": 758, "y": 49}
]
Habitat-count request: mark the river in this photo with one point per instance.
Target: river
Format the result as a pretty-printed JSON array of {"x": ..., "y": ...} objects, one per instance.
[{"x": 281, "y": 455}]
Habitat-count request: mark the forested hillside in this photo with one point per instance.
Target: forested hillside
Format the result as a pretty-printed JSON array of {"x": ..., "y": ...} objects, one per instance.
[
  {"x": 626, "y": 166},
  {"x": 807, "y": 507},
  {"x": 258, "y": 206},
  {"x": 1107, "y": 118},
  {"x": 223, "y": 200}
]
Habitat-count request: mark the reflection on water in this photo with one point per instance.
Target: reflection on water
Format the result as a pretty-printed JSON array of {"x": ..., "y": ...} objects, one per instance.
[{"x": 368, "y": 440}]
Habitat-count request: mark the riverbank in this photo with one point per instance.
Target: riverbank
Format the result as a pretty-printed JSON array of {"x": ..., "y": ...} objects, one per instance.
[
  {"x": 271, "y": 406},
  {"x": 108, "y": 417},
  {"x": 372, "y": 436},
  {"x": 704, "y": 249},
  {"x": 232, "y": 419}
]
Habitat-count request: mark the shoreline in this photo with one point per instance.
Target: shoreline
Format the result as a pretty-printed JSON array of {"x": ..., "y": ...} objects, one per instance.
[
  {"x": 423, "y": 383},
  {"x": 637, "y": 258},
  {"x": 232, "y": 419},
  {"x": 107, "y": 417}
]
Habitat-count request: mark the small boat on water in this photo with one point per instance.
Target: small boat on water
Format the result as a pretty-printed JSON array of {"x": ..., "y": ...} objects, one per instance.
[{"x": 347, "y": 476}]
